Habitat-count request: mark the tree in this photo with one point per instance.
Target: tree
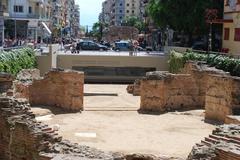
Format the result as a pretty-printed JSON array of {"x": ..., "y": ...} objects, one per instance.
[
  {"x": 187, "y": 16},
  {"x": 97, "y": 30},
  {"x": 134, "y": 22}
]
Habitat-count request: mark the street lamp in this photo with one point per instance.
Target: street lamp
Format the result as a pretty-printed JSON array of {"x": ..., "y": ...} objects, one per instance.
[{"x": 210, "y": 16}]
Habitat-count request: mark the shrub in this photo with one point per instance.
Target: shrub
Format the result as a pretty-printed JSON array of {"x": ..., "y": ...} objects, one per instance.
[
  {"x": 227, "y": 64},
  {"x": 16, "y": 60}
]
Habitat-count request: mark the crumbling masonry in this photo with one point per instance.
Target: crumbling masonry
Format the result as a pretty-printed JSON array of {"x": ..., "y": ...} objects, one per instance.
[
  {"x": 198, "y": 86},
  {"x": 59, "y": 88}
]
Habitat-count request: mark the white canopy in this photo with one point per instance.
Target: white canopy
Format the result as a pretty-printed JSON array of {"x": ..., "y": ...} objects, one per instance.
[{"x": 46, "y": 27}]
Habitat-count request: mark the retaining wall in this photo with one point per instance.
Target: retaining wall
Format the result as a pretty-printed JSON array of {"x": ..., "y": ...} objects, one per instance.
[{"x": 60, "y": 88}]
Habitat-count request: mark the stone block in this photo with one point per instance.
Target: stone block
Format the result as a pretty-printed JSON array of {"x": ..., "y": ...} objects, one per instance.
[{"x": 58, "y": 88}]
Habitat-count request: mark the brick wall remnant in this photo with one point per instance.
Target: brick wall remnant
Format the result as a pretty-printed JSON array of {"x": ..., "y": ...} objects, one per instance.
[
  {"x": 223, "y": 144},
  {"x": 163, "y": 91},
  {"x": 198, "y": 86},
  {"x": 222, "y": 97},
  {"x": 60, "y": 88},
  {"x": 6, "y": 81}
]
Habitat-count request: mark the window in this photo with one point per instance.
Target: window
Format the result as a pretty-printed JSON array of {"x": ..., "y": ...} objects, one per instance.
[
  {"x": 120, "y": 11},
  {"x": 30, "y": 10},
  {"x": 132, "y": 11},
  {"x": 120, "y": 4},
  {"x": 18, "y": 9},
  {"x": 127, "y": 11},
  {"x": 237, "y": 34},
  {"x": 226, "y": 33},
  {"x": 127, "y": 4}
]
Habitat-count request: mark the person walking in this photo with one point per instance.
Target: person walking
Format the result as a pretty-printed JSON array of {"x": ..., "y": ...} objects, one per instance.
[{"x": 135, "y": 46}]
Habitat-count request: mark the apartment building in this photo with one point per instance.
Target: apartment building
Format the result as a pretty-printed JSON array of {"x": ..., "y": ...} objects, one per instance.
[
  {"x": 76, "y": 21},
  {"x": 105, "y": 15},
  {"x": 57, "y": 17},
  {"x": 65, "y": 18},
  {"x": 113, "y": 12},
  {"x": 25, "y": 18},
  {"x": 132, "y": 8},
  {"x": 231, "y": 26}
]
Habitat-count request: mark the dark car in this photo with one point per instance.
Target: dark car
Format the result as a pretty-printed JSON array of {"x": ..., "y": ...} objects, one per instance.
[
  {"x": 200, "y": 46},
  {"x": 90, "y": 45},
  {"x": 122, "y": 46}
]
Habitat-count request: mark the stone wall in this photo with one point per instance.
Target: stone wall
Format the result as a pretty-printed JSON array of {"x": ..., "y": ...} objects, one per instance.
[
  {"x": 222, "y": 97},
  {"x": 223, "y": 144},
  {"x": 21, "y": 136},
  {"x": 58, "y": 88},
  {"x": 161, "y": 92},
  {"x": 6, "y": 81},
  {"x": 120, "y": 32},
  {"x": 197, "y": 86}
]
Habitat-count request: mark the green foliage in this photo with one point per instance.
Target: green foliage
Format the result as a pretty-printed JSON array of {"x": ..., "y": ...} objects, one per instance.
[
  {"x": 97, "y": 30},
  {"x": 227, "y": 64},
  {"x": 176, "y": 62},
  {"x": 134, "y": 22},
  {"x": 16, "y": 60},
  {"x": 183, "y": 15}
]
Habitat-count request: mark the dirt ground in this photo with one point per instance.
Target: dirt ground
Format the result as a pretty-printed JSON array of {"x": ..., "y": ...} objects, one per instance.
[{"x": 112, "y": 123}]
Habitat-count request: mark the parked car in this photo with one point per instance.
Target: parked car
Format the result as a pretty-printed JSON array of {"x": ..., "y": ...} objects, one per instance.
[
  {"x": 90, "y": 45},
  {"x": 200, "y": 46},
  {"x": 122, "y": 46}
]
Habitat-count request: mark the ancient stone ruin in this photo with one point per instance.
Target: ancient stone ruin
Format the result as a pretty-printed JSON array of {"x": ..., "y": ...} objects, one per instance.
[
  {"x": 223, "y": 144},
  {"x": 22, "y": 137},
  {"x": 57, "y": 88},
  {"x": 197, "y": 87}
]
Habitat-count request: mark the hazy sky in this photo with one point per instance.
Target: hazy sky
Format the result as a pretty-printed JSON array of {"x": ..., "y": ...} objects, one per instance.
[{"x": 89, "y": 11}]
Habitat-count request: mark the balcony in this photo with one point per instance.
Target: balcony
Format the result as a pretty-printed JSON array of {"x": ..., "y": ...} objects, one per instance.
[{"x": 33, "y": 16}]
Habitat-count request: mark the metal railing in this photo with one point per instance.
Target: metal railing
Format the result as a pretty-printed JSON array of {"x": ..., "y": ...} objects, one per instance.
[{"x": 11, "y": 48}]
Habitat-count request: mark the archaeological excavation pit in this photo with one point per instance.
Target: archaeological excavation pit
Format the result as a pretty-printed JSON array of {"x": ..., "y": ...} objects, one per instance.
[
  {"x": 108, "y": 118},
  {"x": 122, "y": 129}
]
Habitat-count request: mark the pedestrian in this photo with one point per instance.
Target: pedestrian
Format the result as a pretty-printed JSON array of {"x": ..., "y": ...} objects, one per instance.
[{"x": 135, "y": 45}]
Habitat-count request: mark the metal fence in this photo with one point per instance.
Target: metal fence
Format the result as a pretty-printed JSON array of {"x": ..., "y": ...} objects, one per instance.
[{"x": 11, "y": 48}]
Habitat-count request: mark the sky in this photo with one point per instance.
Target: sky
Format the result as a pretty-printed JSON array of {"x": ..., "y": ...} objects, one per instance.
[{"x": 89, "y": 11}]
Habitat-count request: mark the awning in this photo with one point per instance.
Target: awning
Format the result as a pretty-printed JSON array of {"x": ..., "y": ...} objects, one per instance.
[{"x": 46, "y": 27}]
